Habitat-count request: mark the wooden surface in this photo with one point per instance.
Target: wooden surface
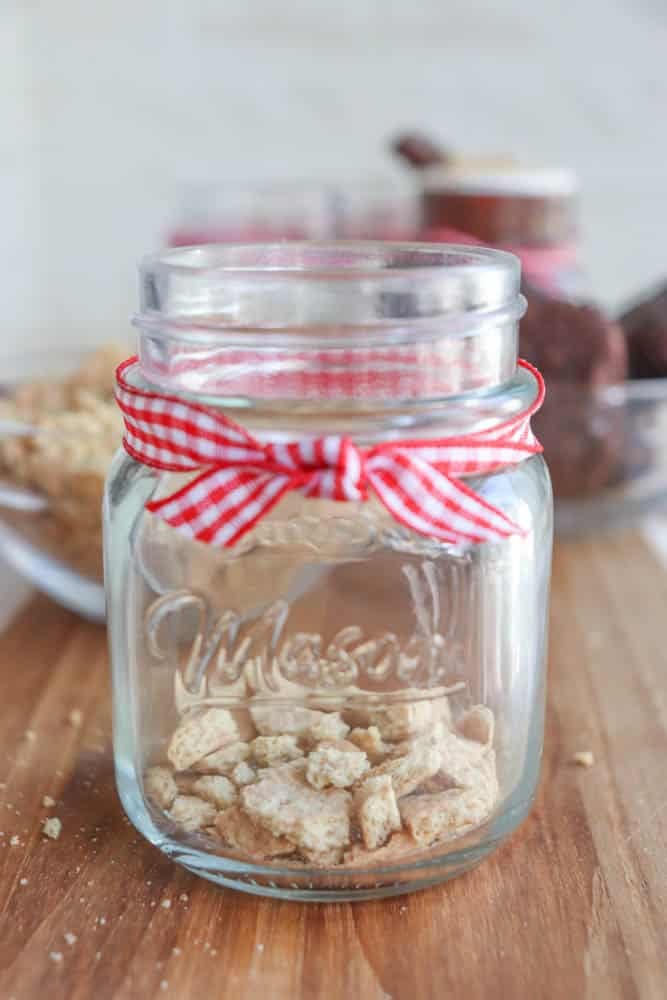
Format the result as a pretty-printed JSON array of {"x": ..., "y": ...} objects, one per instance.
[{"x": 575, "y": 905}]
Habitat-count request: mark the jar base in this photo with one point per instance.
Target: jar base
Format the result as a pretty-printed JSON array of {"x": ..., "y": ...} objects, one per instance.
[{"x": 321, "y": 886}]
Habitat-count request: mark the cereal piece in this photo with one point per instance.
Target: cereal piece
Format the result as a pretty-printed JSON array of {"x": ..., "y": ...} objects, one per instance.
[
  {"x": 323, "y": 859},
  {"x": 280, "y": 721},
  {"x": 412, "y": 769},
  {"x": 160, "y": 786},
  {"x": 371, "y": 742},
  {"x": 449, "y": 813},
  {"x": 330, "y": 765},
  {"x": 396, "y": 722},
  {"x": 477, "y": 724},
  {"x": 51, "y": 827},
  {"x": 192, "y": 813},
  {"x": 329, "y": 727},
  {"x": 239, "y": 831},
  {"x": 377, "y": 811},
  {"x": 48, "y": 802},
  {"x": 199, "y": 734},
  {"x": 224, "y": 760},
  {"x": 584, "y": 758},
  {"x": 270, "y": 750},
  {"x": 398, "y": 847},
  {"x": 243, "y": 774},
  {"x": 463, "y": 760},
  {"x": 217, "y": 789},
  {"x": 282, "y": 802}
]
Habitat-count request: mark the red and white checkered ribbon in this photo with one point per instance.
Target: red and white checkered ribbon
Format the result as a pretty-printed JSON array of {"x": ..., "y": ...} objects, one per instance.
[{"x": 240, "y": 479}]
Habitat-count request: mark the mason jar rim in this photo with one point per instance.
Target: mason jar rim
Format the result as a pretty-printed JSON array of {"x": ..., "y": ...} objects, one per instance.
[{"x": 340, "y": 291}]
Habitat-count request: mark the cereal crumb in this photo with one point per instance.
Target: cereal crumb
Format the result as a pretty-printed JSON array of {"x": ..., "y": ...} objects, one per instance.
[
  {"x": 584, "y": 758},
  {"x": 260, "y": 947},
  {"x": 14, "y": 841},
  {"x": 166, "y": 904},
  {"x": 48, "y": 802},
  {"x": 56, "y": 956},
  {"x": 75, "y": 718},
  {"x": 176, "y": 950},
  {"x": 51, "y": 827},
  {"x": 184, "y": 897},
  {"x": 160, "y": 786},
  {"x": 70, "y": 938},
  {"x": 164, "y": 985},
  {"x": 23, "y": 881},
  {"x": 103, "y": 920},
  {"x": 98, "y": 955}
]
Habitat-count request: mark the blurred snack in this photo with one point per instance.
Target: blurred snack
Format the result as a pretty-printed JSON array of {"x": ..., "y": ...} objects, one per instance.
[
  {"x": 578, "y": 350},
  {"x": 572, "y": 343},
  {"x": 645, "y": 327},
  {"x": 71, "y": 428}
]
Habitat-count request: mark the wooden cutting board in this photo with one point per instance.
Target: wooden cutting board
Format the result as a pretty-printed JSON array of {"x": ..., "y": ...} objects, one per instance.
[{"x": 575, "y": 905}]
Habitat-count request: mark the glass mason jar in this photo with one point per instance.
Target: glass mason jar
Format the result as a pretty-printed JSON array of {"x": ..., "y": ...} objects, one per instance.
[{"x": 335, "y": 704}]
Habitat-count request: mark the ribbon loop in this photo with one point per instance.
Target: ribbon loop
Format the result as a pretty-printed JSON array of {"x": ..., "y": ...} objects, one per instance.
[{"x": 240, "y": 478}]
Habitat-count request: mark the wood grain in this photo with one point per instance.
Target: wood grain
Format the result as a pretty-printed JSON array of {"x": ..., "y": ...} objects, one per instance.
[{"x": 574, "y": 906}]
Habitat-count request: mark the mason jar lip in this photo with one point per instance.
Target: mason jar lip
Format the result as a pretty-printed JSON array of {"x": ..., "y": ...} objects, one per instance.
[
  {"x": 333, "y": 292},
  {"x": 228, "y": 260}
]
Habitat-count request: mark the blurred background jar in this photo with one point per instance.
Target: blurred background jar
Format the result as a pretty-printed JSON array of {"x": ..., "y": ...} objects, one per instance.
[
  {"x": 376, "y": 208},
  {"x": 251, "y": 212},
  {"x": 531, "y": 211}
]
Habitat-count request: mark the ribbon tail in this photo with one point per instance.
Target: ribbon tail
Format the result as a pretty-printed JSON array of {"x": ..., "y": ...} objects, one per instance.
[
  {"x": 433, "y": 504},
  {"x": 219, "y": 506}
]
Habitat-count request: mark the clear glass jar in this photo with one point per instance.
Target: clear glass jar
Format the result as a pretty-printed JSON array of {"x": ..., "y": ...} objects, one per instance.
[
  {"x": 337, "y": 706},
  {"x": 251, "y": 212}
]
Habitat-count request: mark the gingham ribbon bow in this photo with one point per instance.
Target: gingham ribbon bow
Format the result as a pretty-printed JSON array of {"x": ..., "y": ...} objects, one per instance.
[{"x": 240, "y": 479}]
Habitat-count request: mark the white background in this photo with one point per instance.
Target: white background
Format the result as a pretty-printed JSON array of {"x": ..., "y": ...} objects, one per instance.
[{"x": 106, "y": 105}]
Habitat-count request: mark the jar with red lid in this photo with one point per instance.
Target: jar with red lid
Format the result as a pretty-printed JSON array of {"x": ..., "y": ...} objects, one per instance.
[{"x": 533, "y": 212}]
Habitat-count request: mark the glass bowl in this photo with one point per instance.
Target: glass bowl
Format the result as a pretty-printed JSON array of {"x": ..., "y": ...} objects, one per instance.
[
  {"x": 54, "y": 543},
  {"x": 607, "y": 453}
]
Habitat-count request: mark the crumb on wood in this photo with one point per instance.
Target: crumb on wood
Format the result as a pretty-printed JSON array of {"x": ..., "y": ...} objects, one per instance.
[
  {"x": 56, "y": 956},
  {"x": 75, "y": 718},
  {"x": 70, "y": 938},
  {"x": 48, "y": 802},
  {"x": 583, "y": 758},
  {"x": 51, "y": 827},
  {"x": 166, "y": 904},
  {"x": 14, "y": 841}
]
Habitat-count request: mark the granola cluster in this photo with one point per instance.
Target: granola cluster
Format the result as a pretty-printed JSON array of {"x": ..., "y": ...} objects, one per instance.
[
  {"x": 73, "y": 429},
  {"x": 328, "y": 788}
]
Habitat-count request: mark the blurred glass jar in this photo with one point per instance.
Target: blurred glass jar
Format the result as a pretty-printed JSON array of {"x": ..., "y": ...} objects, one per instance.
[
  {"x": 532, "y": 212},
  {"x": 336, "y": 706},
  {"x": 252, "y": 212},
  {"x": 376, "y": 208}
]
